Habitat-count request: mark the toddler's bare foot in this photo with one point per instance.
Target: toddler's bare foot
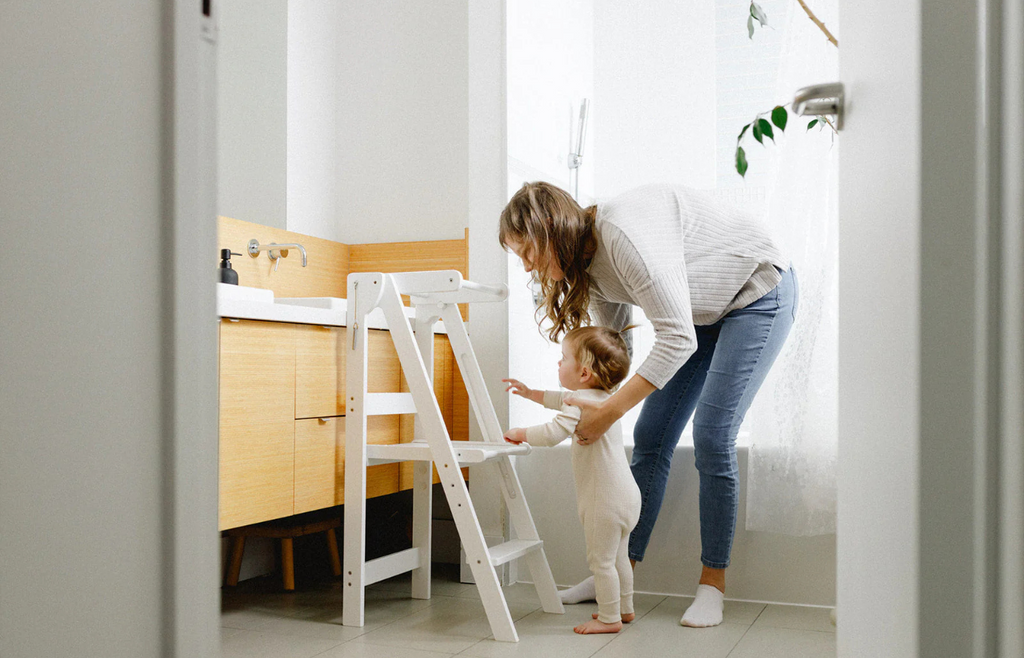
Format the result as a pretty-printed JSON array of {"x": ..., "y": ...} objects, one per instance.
[
  {"x": 595, "y": 626},
  {"x": 626, "y": 618}
]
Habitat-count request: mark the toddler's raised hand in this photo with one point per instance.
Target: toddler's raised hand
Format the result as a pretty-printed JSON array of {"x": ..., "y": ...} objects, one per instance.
[{"x": 518, "y": 388}]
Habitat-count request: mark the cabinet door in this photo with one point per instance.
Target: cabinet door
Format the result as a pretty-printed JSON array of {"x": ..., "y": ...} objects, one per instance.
[
  {"x": 319, "y": 371},
  {"x": 257, "y": 422},
  {"x": 381, "y": 479},
  {"x": 316, "y": 440}
]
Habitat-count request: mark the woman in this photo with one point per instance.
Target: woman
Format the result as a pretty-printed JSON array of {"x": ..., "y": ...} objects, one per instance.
[{"x": 721, "y": 298}]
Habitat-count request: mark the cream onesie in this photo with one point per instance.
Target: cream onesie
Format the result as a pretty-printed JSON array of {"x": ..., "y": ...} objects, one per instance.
[{"x": 606, "y": 495}]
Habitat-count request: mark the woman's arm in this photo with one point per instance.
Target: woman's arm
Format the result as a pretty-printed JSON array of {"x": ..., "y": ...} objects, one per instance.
[{"x": 597, "y": 417}]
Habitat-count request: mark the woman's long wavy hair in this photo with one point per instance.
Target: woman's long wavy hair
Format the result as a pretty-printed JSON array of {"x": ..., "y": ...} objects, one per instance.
[{"x": 550, "y": 220}]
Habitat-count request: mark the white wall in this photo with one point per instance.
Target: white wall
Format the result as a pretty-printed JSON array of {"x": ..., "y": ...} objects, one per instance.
[
  {"x": 879, "y": 438},
  {"x": 550, "y": 64},
  {"x": 486, "y": 131},
  {"x": 402, "y": 102},
  {"x": 654, "y": 94},
  {"x": 95, "y": 127},
  {"x": 252, "y": 128},
  {"x": 312, "y": 131}
]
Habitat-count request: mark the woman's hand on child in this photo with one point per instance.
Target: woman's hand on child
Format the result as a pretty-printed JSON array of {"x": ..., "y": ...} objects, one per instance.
[
  {"x": 595, "y": 419},
  {"x": 516, "y": 435}
]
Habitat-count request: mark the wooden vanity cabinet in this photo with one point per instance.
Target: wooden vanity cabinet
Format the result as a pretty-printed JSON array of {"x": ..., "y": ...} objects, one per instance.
[
  {"x": 282, "y": 425},
  {"x": 257, "y": 422}
]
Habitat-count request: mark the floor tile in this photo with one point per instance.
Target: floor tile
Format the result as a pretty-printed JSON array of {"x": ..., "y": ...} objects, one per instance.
[
  {"x": 736, "y": 612},
  {"x": 359, "y": 650},
  {"x": 543, "y": 635},
  {"x": 796, "y": 617},
  {"x": 520, "y": 592},
  {"x": 250, "y": 619},
  {"x": 768, "y": 642},
  {"x": 260, "y": 644},
  {"x": 448, "y": 625},
  {"x": 443, "y": 582},
  {"x": 259, "y": 620},
  {"x": 661, "y": 635},
  {"x": 228, "y": 632}
]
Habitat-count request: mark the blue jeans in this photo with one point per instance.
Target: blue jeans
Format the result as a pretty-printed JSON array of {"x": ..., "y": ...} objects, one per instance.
[{"x": 719, "y": 381}]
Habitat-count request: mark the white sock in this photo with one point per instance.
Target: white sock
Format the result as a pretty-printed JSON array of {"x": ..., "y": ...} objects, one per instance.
[
  {"x": 580, "y": 592},
  {"x": 706, "y": 609}
]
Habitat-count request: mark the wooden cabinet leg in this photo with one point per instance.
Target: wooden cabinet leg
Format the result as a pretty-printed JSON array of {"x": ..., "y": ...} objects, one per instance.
[
  {"x": 332, "y": 547},
  {"x": 235, "y": 562},
  {"x": 288, "y": 563}
]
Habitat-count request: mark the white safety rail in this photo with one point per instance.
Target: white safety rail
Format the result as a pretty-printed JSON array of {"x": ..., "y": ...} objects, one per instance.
[{"x": 435, "y": 296}]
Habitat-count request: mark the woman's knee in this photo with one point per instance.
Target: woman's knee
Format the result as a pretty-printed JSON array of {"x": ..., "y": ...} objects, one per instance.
[{"x": 714, "y": 451}]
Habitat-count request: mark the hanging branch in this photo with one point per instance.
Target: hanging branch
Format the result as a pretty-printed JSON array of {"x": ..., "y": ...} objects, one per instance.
[
  {"x": 761, "y": 127},
  {"x": 810, "y": 14}
]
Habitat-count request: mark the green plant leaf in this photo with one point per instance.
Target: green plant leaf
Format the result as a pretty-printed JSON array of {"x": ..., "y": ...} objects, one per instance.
[
  {"x": 780, "y": 117},
  {"x": 750, "y": 26},
  {"x": 741, "y": 161},
  {"x": 756, "y": 132},
  {"x": 812, "y": 123},
  {"x": 742, "y": 132},
  {"x": 766, "y": 129},
  {"x": 757, "y": 13}
]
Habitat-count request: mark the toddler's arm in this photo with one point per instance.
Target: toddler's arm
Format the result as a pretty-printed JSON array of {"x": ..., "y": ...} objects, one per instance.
[
  {"x": 549, "y": 434},
  {"x": 522, "y": 390}
]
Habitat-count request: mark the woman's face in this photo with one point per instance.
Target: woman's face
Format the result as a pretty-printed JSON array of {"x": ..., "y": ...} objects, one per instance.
[{"x": 528, "y": 253}]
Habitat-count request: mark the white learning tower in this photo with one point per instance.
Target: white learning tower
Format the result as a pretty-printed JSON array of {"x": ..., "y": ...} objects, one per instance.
[{"x": 436, "y": 296}]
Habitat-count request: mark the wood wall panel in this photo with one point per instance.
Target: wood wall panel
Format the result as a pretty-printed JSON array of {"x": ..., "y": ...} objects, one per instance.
[
  {"x": 413, "y": 257},
  {"x": 327, "y": 262}
]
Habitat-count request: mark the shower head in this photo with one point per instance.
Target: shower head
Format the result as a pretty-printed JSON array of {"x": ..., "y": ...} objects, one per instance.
[{"x": 584, "y": 108}]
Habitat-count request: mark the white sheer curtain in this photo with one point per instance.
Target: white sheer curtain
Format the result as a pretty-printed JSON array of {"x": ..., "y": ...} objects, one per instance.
[{"x": 792, "y": 467}]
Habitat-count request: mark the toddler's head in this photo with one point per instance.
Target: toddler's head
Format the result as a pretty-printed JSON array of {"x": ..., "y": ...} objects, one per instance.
[{"x": 599, "y": 352}]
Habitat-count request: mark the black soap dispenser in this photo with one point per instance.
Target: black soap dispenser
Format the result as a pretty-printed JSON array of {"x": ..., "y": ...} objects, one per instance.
[{"x": 227, "y": 275}]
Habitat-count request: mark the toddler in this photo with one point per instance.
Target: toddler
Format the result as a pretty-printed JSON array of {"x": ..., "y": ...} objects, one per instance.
[{"x": 594, "y": 361}]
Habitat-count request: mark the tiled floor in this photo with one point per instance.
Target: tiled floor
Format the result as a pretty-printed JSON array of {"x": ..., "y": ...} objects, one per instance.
[{"x": 260, "y": 621}]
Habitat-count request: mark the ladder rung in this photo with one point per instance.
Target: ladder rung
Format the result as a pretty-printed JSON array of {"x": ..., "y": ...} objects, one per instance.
[
  {"x": 467, "y": 452},
  {"x": 387, "y": 404},
  {"x": 510, "y": 550},
  {"x": 385, "y": 567}
]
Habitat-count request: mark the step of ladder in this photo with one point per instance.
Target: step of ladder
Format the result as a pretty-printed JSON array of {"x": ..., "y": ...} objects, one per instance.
[
  {"x": 467, "y": 452},
  {"x": 510, "y": 550}
]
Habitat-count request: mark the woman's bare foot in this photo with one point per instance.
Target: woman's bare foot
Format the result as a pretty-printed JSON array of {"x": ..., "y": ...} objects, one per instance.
[
  {"x": 626, "y": 618},
  {"x": 595, "y": 626}
]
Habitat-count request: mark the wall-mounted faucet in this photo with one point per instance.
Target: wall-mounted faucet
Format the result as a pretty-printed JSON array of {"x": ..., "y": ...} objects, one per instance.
[{"x": 255, "y": 248}]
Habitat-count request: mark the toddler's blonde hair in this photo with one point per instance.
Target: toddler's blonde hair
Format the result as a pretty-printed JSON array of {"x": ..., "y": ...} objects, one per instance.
[{"x": 603, "y": 351}]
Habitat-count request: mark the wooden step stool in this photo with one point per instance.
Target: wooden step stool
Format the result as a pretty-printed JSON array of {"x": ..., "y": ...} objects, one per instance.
[{"x": 286, "y": 533}]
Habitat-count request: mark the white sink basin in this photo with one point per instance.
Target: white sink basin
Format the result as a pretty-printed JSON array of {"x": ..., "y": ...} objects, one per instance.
[
  {"x": 245, "y": 303},
  {"x": 330, "y": 303},
  {"x": 244, "y": 293}
]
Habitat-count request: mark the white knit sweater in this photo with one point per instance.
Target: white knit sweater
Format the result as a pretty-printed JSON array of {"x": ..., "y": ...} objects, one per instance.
[{"x": 685, "y": 259}]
